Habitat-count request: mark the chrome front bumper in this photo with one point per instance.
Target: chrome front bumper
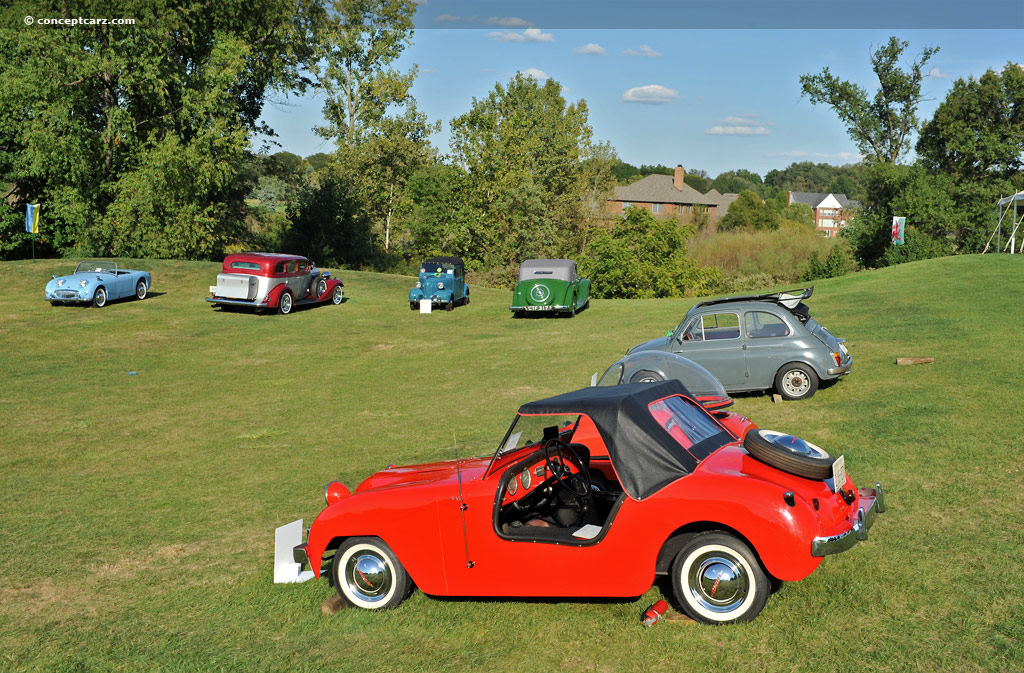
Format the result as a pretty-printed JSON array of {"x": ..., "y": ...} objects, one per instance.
[{"x": 870, "y": 503}]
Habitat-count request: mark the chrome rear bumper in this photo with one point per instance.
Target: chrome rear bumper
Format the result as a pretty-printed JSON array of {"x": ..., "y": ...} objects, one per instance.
[{"x": 870, "y": 503}]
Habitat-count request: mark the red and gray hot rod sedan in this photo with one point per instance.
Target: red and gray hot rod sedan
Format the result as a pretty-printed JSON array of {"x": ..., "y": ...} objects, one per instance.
[
  {"x": 592, "y": 494},
  {"x": 267, "y": 281}
]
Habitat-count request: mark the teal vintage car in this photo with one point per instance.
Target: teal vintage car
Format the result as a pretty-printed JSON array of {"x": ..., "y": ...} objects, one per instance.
[
  {"x": 550, "y": 285},
  {"x": 442, "y": 281}
]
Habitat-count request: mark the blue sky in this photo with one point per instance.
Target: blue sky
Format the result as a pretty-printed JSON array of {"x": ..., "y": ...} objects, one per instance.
[{"x": 712, "y": 99}]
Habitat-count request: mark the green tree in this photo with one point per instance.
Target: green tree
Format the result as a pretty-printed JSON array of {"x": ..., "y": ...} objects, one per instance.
[
  {"x": 136, "y": 139},
  {"x": 734, "y": 182},
  {"x": 881, "y": 127},
  {"x": 978, "y": 130},
  {"x": 522, "y": 148},
  {"x": 370, "y": 112},
  {"x": 360, "y": 42},
  {"x": 643, "y": 256},
  {"x": 924, "y": 198},
  {"x": 750, "y": 212}
]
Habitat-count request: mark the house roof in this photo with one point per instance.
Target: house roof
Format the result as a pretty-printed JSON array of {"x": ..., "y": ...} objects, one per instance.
[
  {"x": 724, "y": 201},
  {"x": 814, "y": 198},
  {"x": 660, "y": 189}
]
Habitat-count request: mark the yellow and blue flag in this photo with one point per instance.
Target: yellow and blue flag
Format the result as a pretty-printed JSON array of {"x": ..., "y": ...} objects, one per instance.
[{"x": 32, "y": 218}]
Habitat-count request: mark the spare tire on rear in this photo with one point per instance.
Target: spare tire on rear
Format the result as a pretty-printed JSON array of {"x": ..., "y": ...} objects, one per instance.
[{"x": 789, "y": 454}]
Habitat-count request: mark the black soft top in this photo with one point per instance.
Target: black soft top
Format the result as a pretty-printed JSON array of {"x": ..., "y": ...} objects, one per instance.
[
  {"x": 646, "y": 458},
  {"x": 457, "y": 261}
]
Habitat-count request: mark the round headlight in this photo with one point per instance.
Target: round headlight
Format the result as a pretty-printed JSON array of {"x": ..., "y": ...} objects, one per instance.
[
  {"x": 440, "y": 286},
  {"x": 60, "y": 282},
  {"x": 83, "y": 283},
  {"x": 418, "y": 285},
  {"x": 335, "y": 491}
]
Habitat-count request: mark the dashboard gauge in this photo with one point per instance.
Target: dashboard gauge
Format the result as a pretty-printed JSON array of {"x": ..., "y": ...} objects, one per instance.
[
  {"x": 526, "y": 478},
  {"x": 539, "y": 471},
  {"x": 513, "y": 486}
]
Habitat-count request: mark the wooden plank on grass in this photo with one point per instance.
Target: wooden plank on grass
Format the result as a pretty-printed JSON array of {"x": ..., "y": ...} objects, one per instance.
[{"x": 914, "y": 361}]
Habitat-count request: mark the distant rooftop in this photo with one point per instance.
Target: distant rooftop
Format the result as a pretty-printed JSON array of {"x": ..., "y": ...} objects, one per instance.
[{"x": 659, "y": 189}]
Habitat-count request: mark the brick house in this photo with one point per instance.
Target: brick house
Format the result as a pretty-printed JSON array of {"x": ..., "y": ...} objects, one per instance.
[
  {"x": 662, "y": 195},
  {"x": 832, "y": 212}
]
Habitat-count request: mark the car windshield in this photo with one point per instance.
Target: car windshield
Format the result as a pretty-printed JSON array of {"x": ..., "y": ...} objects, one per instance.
[
  {"x": 529, "y": 430},
  {"x": 435, "y": 268},
  {"x": 98, "y": 267}
]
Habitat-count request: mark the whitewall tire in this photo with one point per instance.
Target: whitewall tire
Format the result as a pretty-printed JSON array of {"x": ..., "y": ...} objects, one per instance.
[
  {"x": 718, "y": 580},
  {"x": 367, "y": 574}
]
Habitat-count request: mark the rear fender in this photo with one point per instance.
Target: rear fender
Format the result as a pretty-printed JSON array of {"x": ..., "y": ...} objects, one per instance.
[{"x": 274, "y": 296}]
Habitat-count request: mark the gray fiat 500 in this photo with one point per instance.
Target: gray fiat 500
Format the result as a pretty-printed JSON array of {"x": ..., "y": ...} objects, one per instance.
[{"x": 757, "y": 342}]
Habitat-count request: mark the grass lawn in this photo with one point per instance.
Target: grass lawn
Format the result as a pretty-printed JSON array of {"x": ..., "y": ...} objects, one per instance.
[{"x": 138, "y": 512}]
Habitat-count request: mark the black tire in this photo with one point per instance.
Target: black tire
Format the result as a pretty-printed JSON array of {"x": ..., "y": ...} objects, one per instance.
[
  {"x": 286, "y": 303},
  {"x": 465, "y": 300},
  {"x": 518, "y": 314},
  {"x": 368, "y": 575},
  {"x": 54, "y": 303},
  {"x": 321, "y": 287},
  {"x": 572, "y": 307},
  {"x": 450, "y": 306},
  {"x": 796, "y": 381},
  {"x": 338, "y": 296},
  {"x": 645, "y": 376},
  {"x": 801, "y": 458},
  {"x": 141, "y": 290},
  {"x": 413, "y": 306},
  {"x": 698, "y": 571},
  {"x": 99, "y": 298}
]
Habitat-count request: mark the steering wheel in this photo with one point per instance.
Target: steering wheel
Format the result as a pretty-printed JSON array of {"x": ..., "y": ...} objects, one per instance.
[{"x": 577, "y": 483}]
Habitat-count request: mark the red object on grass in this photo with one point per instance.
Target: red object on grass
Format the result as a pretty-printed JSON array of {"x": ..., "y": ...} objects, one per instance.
[{"x": 654, "y": 613}]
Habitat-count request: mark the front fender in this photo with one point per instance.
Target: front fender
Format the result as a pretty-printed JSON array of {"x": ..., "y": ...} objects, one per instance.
[
  {"x": 415, "y": 294},
  {"x": 331, "y": 284}
]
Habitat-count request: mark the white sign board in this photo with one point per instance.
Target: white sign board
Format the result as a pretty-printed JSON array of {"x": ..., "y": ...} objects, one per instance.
[
  {"x": 286, "y": 570},
  {"x": 425, "y": 305}
]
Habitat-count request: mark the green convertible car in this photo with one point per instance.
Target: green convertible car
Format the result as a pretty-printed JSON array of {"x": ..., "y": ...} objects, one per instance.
[{"x": 550, "y": 285}]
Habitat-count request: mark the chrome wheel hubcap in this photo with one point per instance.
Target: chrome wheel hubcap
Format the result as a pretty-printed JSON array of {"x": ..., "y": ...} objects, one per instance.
[
  {"x": 795, "y": 382},
  {"x": 286, "y": 303},
  {"x": 368, "y": 576},
  {"x": 338, "y": 295},
  {"x": 718, "y": 583}
]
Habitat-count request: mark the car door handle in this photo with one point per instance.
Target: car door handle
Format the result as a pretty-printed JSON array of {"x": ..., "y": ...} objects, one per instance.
[{"x": 744, "y": 346}]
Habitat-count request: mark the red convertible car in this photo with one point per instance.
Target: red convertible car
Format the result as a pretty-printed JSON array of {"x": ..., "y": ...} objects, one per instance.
[{"x": 592, "y": 494}]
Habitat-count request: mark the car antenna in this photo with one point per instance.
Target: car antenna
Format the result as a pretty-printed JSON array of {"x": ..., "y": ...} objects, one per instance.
[{"x": 462, "y": 502}]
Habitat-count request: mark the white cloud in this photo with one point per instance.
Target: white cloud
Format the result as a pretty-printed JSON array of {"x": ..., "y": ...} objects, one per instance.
[
  {"x": 528, "y": 35},
  {"x": 509, "y": 22},
  {"x": 535, "y": 73},
  {"x": 937, "y": 74},
  {"x": 792, "y": 154},
  {"x": 643, "y": 51},
  {"x": 427, "y": 70},
  {"x": 650, "y": 93},
  {"x": 592, "y": 48},
  {"x": 740, "y": 125},
  {"x": 737, "y": 131},
  {"x": 446, "y": 18}
]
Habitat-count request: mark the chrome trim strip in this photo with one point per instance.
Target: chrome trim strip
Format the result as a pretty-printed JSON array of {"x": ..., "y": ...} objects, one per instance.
[
  {"x": 863, "y": 521},
  {"x": 539, "y": 308}
]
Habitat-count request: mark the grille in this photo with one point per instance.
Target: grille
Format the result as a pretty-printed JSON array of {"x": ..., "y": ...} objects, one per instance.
[{"x": 66, "y": 294}]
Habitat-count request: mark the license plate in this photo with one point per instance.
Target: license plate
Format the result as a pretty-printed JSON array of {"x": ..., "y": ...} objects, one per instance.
[
  {"x": 839, "y": 473},
  {"x": 537, "y": 308}
]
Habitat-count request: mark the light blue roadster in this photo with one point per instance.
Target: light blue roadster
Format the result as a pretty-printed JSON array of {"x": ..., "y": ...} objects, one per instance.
[{"x": 97, "y": 283}]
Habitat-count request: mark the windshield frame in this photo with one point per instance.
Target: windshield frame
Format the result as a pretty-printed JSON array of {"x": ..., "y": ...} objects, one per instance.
[
  {"x": 501, "y": 452},
  {"x": 104, "y": 267}
]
